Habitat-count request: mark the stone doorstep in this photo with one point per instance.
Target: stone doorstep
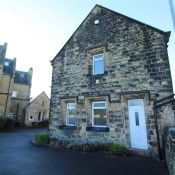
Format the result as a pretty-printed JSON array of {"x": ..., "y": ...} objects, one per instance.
[{"x": 140, "y": 152}]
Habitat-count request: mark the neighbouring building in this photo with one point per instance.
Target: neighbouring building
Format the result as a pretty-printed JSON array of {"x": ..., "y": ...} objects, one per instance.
[
  {"x": 15, "y": 89},
  {"x": 107, "y": 78},
  {"x": 6, "y": 84},
  {"x": 3, "y": 49},
  {"x": 20, "y": 94},
  {"x": 37, "y": 109}
]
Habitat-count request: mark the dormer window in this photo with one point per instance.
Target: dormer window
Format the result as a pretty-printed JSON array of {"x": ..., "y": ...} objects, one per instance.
[
  {"x": 22, "y": 75},
  {"x": 6, "y": 63}
]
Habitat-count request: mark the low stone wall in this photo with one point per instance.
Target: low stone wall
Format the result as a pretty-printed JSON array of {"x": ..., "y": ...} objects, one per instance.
[{"x": 169, "y": 136}]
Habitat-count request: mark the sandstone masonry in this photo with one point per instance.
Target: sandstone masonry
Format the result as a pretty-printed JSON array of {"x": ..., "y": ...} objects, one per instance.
[{"x": 136, "y": 66}]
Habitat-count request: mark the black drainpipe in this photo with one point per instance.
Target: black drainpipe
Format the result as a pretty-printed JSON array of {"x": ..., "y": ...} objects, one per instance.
[
  {"x": 7, "y": 96},
  {"x": 157, "y": 131}
]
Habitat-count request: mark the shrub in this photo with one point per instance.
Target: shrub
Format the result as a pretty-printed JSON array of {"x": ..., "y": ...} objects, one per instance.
[
  {"x": 3, "y": 121},
  {"x": 117, "y": 149},
  {"x": 80, "y": 144},
  {"x": 10, "y": 124},
  {"x": 43, "y": 123},
  {"x": 42, "y": 138}
]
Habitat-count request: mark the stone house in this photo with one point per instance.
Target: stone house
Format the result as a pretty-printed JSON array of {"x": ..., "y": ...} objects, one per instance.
[
  {"x": 37, "y": 109},
  {"x": 106, "y": 79},
  {"x": 3, "y": 49},
  {"x": 21, "y": 94},
  {"x": 6, "y": 84}
]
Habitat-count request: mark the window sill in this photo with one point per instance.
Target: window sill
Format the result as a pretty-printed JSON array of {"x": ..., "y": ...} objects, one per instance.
[
  {"x": 98, "y": 129},
  {"x": 64, "y": 127},
  {"x": 97, "y": 75}
]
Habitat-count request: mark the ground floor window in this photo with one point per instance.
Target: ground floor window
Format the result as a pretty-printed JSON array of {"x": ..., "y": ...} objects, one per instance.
[
  {"x": 31, "y": 117},
  {"x": 41, "y": 116},
  {"x": 99, "y": 114},
  {"x": 70, "y": 114}
]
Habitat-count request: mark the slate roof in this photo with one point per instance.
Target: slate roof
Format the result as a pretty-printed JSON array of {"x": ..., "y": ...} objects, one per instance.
[
  {"x": 9, "y": 66},
  {"x": 22, "y": 77}
]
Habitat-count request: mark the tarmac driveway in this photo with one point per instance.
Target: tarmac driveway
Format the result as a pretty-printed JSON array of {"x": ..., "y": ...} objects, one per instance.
[{"x": 18, "y": 156}]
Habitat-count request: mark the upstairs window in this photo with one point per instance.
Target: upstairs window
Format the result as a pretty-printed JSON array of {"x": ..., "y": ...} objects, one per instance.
[
  {"x": 99, "y": 114},
  {"x": 22, "y": 75},
  {"x": 98, "y": 64},
  {"x": 70, "y": 114},
  {"x": 14, "y": 94},
  {"x": 6, "y": 63}
]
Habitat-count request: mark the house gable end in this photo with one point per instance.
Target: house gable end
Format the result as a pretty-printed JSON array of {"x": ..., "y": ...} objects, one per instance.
[{"x": 92, "y": 15}]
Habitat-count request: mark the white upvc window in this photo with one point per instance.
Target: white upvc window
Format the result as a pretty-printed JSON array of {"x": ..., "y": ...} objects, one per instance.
[
  {"x": 31, "y": 117},
  {"x": 70, "y": 114},
  {"x": 14, "y": 94},
  {"x": 98, "y": 64},
  {"x": 99, "y": 114},
  {"x": 41, "y": 116}
]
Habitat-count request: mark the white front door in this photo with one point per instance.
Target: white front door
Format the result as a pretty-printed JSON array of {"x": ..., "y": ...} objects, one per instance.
[{"x": 137, "y": 124}]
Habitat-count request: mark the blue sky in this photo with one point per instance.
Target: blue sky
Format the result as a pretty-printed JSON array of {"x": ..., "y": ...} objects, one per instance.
[{"x": 36, "y": 30}]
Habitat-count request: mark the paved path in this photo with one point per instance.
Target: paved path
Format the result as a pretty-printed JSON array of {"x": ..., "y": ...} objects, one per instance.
[{"x": 18, "y": 156}]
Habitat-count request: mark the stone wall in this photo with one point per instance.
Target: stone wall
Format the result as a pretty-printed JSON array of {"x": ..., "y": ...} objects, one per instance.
[
  {"x": 40, "y": 104},
  {"x": 169, "y": 136},
  {"x": 136, "y": 67},
  {"x": 6, "y": 84}
]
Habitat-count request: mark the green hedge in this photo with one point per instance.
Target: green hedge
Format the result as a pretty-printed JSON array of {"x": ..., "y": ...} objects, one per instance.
[
  {"x": 117, "y": 149},
  {"x": 3, "y": 121},
  {"x": 42, "y": 138}
]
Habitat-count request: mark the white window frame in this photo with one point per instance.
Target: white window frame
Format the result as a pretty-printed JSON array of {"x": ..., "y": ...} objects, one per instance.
[
  {"x": 95, "y": 60},
  {"x": 69, "y": 107},
  {"x": 32, "y": 117},
  {"x": 42, "y": 116},
  {"x": 10, "y": 115},
  {"x": 6, "y": 63},
  {"x": 14, "y": 94},
  {"x": 97, "y": 108}
]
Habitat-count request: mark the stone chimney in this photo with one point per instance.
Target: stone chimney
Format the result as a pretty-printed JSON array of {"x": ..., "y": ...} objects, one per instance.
[{"x": 30, "y": 72}]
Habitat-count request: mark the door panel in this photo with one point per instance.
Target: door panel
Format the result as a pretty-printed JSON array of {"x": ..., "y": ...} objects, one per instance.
[{"x": 137, "y": 127}]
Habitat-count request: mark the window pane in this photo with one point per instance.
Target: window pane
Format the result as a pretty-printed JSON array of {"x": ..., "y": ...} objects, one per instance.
[
  {"x": 137, "y": 118},
  {"x": 96, "y": 57},
  {"x": 135, "y": 103},
  {"x": 14, "y": 94},
  {"x": 99, "y": 67},
  {"x": 70, "y": 116},
  {"x": 71, "y": 121},
  {"x": 71, "y": 105},
  {"x": 100, "y": 117},
  {"x": 99, "y": 104},
  {"x": 6, "y": 63}
]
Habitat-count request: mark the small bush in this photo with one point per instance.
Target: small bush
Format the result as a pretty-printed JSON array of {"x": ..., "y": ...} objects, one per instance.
[
  {"x": 3, "y": 121},
  {"x": 42, "y": 138},
  {"x": 117, "y": 149},
  {"x": 10, "y": 124},
  {"x": 80, "y": 144},
  {"x": 43, "y": 123}
]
